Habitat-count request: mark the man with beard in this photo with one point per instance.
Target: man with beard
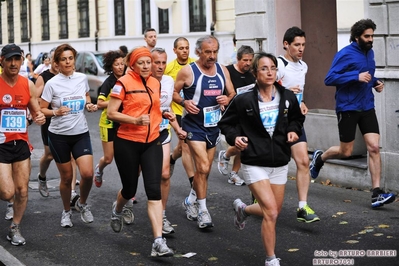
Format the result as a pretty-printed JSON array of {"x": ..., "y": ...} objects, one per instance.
[
  {"x": 352, "y": 73},
  {"x": 150, "y": 37}
]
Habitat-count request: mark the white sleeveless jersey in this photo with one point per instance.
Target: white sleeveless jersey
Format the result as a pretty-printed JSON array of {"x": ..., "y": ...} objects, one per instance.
[{"x": 291, "y": 74}]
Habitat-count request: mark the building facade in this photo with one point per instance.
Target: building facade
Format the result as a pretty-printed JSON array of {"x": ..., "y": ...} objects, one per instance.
[{"x": 102, "y": 25}]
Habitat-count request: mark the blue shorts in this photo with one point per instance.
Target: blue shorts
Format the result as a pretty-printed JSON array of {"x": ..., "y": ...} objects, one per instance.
[
  {"x": 211, "y": 139},
  {"x": 302, "y": 138},
  {"x": 61, "y": 146}
]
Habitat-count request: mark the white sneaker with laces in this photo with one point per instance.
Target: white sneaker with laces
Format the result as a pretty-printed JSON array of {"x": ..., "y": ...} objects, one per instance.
[
  {"x": 160, "y": 249},
  {"x": 9, "y": 212},
  {"x": 66, "y": 219},
  {"x": 223, "y": 163},
  {"x": 85, "y": 213},
  {"x": 235, "y": 179},
  {"x": 273, "y": 262}
]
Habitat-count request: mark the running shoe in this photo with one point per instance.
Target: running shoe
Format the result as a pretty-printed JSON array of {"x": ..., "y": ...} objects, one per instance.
[
  {"x": 235, "y": 179},
  {"x": 306, "y": 214},
  {"x": 116, "y": 220},
  {"x": 74, "y": 200},
  {"x": 85, "y": 213},
  {"x": 204, "y": 220},
  {"x": 66, "y": 221},
  {"x": 167, "y": 227},
  {"x": 160, "y": 249},
  {"x": 128, "y": 216},
  {"x": 314, "y": 167},
  {"x": 382, "y": 198},
  {"x": 15, "y": 237},
  {"x": 223, "y": 163},
  {"x": 42, "y": 186},
  {"x": 240, "y": 216},
  {"x": 9, "y": 212},
  {"x": 191, "y": 210},
  {"x": 98, "y": 176},
  {"x": 273, "y": 262}
]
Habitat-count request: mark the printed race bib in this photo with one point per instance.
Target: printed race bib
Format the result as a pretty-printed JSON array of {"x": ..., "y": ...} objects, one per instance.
[
  {"x": 13, "y": 120},
  {"x": 211, "y": 115},
  {"x": 76, "y": 103}
]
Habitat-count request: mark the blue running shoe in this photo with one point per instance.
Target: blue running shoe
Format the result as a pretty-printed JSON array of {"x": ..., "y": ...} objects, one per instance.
[
  {"x": 381, "y": 199},
  {"x": 314, "y": 168}
]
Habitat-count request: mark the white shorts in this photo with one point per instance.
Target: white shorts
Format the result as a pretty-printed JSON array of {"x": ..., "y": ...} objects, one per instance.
[{"x": 276, "y": 175}]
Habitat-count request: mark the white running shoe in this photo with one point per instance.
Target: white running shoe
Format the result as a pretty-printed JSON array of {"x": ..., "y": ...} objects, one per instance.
[
  {"x": 223, "y": 163},
  {"x": 235, "y": 179},
  {"x": 66, "y": 219}
]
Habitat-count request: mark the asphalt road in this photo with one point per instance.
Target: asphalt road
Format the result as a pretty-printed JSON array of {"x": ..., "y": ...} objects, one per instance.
[{"x": 347, "y": 223}]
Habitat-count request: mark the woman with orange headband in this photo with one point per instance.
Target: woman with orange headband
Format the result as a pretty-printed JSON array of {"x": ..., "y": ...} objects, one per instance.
[{"x": 136, "y": 144}]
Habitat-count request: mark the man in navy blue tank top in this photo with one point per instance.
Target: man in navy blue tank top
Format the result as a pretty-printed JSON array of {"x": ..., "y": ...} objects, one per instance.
[{"x": 203, "y": 83}]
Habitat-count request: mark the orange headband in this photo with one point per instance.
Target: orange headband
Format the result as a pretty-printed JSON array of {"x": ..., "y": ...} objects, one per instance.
[{"x": 137, "y": 53}]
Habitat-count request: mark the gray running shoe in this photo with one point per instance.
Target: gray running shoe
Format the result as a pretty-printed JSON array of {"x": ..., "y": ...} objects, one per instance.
[
  {"x": 223, "y": 163},
  {"x": 66, "y": 221},
  {"x": 239, "y": 217},
  {"x": 191, "y": 210},
  {"x": 167, "y": 227},
  {"x": 42, "y": 186},
  {"x": 116, "y": 220},
  {"x": 204, "y": 220},
  {"x": 128, "y": 216},
  {"x": 85, "y": 213},
  {"x": 15, "y": 237},
  {"x": 9, "y": 212},
  {"x": 160, "y": 249}
]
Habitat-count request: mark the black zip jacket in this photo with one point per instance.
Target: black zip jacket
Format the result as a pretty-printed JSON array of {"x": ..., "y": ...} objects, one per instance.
[{"x": 242, "y": 118}]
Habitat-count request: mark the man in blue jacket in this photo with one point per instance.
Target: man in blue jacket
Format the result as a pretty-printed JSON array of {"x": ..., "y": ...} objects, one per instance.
[{"x": 352, "y": 73}]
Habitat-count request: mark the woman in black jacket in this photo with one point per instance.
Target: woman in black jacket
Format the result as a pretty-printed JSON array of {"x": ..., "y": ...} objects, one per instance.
[{"x": 261, "y": 123}]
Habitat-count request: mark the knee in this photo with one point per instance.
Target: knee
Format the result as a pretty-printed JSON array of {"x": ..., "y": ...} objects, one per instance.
[
  {"x": 165, "y": 175},
  {"x": 271, "y": 215},
  {"x": 108, "y": 160},
  {"x": 373, "y": 148},
  {"x": 302, "y": 163},
  {"x": 7, "y": 194}
]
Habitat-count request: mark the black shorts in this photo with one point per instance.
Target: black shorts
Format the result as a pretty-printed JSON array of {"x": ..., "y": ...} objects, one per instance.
[
  {"x": 164, "y": 136},
  {"x": 44, "y": 131},
  {"x": 61, "y": 146},
  {"x": 347, "y": 122},
  {"x": 14, "y": 151}
]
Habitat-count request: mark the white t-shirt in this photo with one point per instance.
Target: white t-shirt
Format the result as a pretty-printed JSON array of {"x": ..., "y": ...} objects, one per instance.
[
  {"x": 67, "y": 91},
  {"x": 292, "y": 74},
  {"x": 41, "y": 68},
  {"x": 167, "y": 88}
]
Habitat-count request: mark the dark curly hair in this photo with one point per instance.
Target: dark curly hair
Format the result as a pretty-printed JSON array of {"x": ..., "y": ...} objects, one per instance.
[
  {"x": 109, "y": 58},
  {"x": 359, "y": 27}
]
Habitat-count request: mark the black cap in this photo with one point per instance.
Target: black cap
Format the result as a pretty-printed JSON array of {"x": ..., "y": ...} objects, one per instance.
[{"x": 11, "y": 50}]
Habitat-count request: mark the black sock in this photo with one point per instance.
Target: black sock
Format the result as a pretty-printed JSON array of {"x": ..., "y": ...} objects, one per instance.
[
  {"x": 319, "y": 161},
  {"x": 172, "y": 161},
  {"x": 376, "y": 191},
  {"x": 191, "y": 180},
  {"x": 42, "y": 178}
]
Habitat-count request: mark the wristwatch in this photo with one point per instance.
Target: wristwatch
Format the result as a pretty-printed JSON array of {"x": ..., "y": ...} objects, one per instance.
[{"x": 182, "y": 103}]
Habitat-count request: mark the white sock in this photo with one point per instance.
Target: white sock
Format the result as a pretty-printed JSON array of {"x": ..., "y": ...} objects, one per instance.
[
  {"x": 202, "y": 205},
  {"x": 192, "y": 197},
  {"x": 302, "y": 204},
  {"x": 163, "y": 213}
]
